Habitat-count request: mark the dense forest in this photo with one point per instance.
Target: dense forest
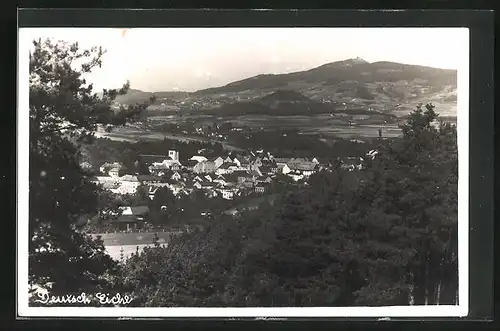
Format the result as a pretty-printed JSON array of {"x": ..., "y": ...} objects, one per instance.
[
  {"x": 290, "y": 143},
  {"x": 383, "y": 235}
]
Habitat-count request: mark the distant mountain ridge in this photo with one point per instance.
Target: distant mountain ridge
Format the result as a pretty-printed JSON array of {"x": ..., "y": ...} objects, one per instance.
[
  {"x": 334, "y": 73},
  {"x": 383, "y": 86}
]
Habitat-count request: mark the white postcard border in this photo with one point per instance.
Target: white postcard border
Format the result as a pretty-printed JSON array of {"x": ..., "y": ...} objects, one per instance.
[{"x": 24, "y": 310}]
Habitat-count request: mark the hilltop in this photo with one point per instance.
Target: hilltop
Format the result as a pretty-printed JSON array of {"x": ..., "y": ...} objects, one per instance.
[{"x": 383, "y": 86}]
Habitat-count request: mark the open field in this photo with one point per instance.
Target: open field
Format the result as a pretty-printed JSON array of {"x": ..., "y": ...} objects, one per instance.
[
  {"x": 134, "y": 135},
  {"x": 115, "y": 243}
]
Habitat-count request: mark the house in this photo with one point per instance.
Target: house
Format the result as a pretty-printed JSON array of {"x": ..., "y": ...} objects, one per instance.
[
  {"x": 204, "y": 167},
  {"x": 152, "y": 191},
  {"x": 147, "y": 179},
  {"x": 110, "y": 185},
  {"x": 315, "y": 160},
  {"x": 138, "y": 211},
  {"x": 208, "y": 178},
  {"x": 198, "y": 158},
  {"x": 106, "y": 167},
  {"x": 245, "y": 165},
  {"x": 176, "y": 176},
  {"x": 129, "y": 184},
  {"x": 169, "y": 164},
  {"x": 283, "y": 169},
  {"x": 158, "y": 170},
  {"x": 131, "y": 217},
  {"x": 198, "y": 179},
  {"x": 228, "y": 160},
  {"x": 218, "y": 161},
  {"x": 305, "y": 168},
  {"x": 237, "y": 162},
  {"x": 176, "y": 166},
  {"x": 115, "y": 171},
  {"x": 235, "y": 167},
  {"x": 159, "y": 184},
  {"x": 223, "y": 169},
  {"x": 203, "y": 185},
  {"x": 295, "y": 176},
  {"x": 264, "y": 179},
  {"x": 177, "y": 189},
  {"x": 207, "y": 186},
  {"x": 227, "y": 194},
  {"x": 220, "y": 179}
]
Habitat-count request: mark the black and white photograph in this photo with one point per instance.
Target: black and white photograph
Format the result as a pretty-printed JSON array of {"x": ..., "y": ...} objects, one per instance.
[{"x": 253, "y": 171}]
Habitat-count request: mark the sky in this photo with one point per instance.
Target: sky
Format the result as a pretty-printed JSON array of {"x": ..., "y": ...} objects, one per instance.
[{"x": 189, "y": 59}]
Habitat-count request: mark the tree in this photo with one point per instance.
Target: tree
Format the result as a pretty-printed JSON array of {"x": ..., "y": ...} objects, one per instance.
[
  {"x": 162, "y": 197},
  {"x": 408, "y": 208},
  {"x": 384, "y": 235},
  {"x": 64, "y": 113}
]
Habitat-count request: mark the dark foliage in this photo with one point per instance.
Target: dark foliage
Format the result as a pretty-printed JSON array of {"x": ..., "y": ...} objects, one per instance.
[
  {"x": 384, "y": 235},
  {"x": 64, "y": 113}
]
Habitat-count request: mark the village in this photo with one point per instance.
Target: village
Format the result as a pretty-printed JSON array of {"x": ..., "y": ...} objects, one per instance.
[{"x": 223, "y": 177}]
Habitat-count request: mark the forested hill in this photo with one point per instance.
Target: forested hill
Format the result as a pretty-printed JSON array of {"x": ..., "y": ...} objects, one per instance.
[{"x": 279, "y": 103}]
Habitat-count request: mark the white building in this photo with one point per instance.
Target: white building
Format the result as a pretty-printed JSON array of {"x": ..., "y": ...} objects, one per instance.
[
  {"x": 114, "y": 172},
  {"x": 174, "y": 155},
  {"x": 238, "y": 163},
  {"x": 284, "y": 169},
  {"x": 296, "y": 177},
  {"x": 107, "y": 167},
  {"x": 227, "y": 194},
  {"x": 218, "y": 162},
  {"x": 128, "y": 185}
]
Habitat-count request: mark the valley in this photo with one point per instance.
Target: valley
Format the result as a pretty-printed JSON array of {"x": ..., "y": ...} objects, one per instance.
[{"x": 350, "y": 99}]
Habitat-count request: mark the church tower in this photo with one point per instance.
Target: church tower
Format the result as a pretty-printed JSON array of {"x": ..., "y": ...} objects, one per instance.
[{"x": 174, "y": 155}]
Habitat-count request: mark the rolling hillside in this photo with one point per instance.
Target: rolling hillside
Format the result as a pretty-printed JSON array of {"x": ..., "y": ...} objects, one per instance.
[
  {"x": 383, "y": 86},
  {"x": 387, "y": 87}
]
